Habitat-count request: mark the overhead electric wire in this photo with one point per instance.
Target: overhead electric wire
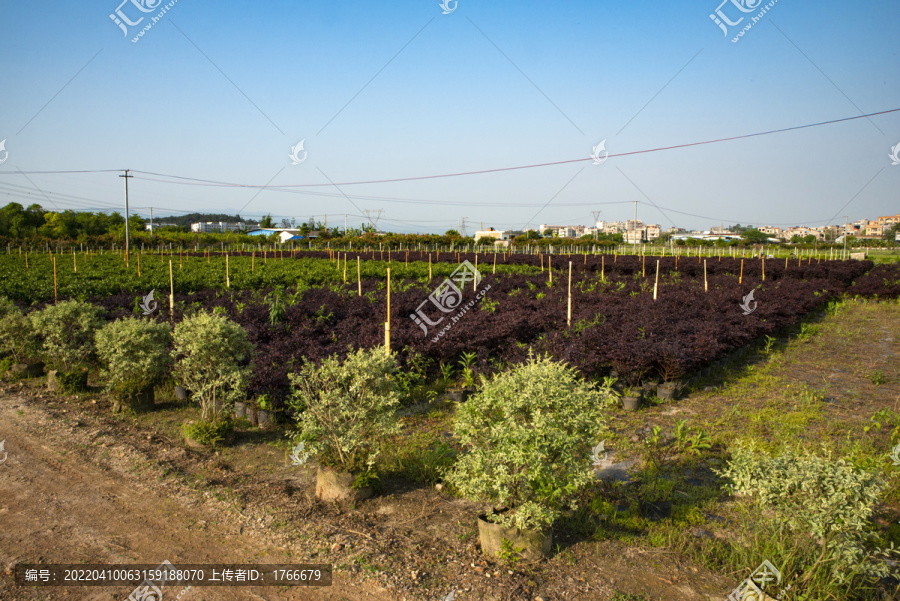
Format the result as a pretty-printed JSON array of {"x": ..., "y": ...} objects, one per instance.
[{"x": 202, "y": 182}]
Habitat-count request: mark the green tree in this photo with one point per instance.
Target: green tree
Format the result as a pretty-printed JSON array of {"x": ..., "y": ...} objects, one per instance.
[{"x": 754, "y": 236}]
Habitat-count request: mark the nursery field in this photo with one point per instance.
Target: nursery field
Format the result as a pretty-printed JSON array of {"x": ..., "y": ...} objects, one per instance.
[{"x": 312, "y": 305}]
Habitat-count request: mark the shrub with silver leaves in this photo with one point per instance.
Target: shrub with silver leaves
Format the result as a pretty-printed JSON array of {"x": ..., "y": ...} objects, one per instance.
[
  {"x": 344, "y": 408},
  {"x": 17, "y": 338},
  {"x": 828, "y": 499},
  {"x": 212, "y": 355},
  {"x": 134, "y": 354},
  {"x": 66, "y": 332},
  {"x": 530, "y": 432}
]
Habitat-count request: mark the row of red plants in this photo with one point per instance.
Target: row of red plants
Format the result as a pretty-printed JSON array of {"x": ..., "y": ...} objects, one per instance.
[{"x": 615, "y": 326}]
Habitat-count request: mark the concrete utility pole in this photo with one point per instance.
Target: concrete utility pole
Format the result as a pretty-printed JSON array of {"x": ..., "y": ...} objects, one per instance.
[
  {"x": 846, "y": 221},
  {"x": 634, "y": 227},
  {"x": 127, "y": 238}
]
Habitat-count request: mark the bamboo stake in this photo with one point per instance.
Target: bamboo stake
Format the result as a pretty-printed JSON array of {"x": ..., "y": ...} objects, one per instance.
[
  {"x": 139, "y": 265},
  {"x": 26, "y": 259},
  {"x": 741, "y": 280},
  {"x": 345, "y": 268},
  {"x": 358, "y": 279},
  {"x": 656, "y": 285},
  {"x": 252, "y": 261},
  {"x": 74, "y": 263},
  {"x": 705, "y": 281},
  {"x": 387, "y": 324},
  {"x": 227, "y": 276},
  {"x": 569, "y": 318},
  {"x": 550, "y": 269},
  {"x": 429, "y": 267},
  {"x": 54, "y": 280},
  {"x": 602, "y": 268},
  {"x": 495, "y": 264},
  {"x": 171, "y": 293},
  {"x": 764, "y": 269}
]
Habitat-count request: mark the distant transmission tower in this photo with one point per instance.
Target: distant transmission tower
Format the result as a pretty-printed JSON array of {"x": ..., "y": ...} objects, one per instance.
[
  {"x": 596, "y": 215},
  {"x": 462, "y": 227},
  {"x": 375, "y": 221}
]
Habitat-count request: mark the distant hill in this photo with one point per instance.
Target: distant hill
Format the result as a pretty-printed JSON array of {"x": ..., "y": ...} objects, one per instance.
[{"x": 187, "y": 220}]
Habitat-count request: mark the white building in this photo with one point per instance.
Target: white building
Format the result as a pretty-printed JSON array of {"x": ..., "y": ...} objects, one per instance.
[{"x": 212, "y": 226}]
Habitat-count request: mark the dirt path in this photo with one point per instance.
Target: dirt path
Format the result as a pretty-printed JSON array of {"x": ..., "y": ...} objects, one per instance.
[
  {"x": 58, "y": 507},
  {"x": 82, "y": 486}
]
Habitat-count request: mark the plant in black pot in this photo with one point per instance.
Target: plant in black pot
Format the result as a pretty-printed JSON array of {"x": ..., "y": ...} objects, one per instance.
[
  {"x": 344, "y": 410},
  {"x": 631, "y": 398},
  {"x": 66, "y": 333},
  {"x": 265, "y": 412},
  {"x": 135, "y": 358},
  {"x": 528, "y": 434}
]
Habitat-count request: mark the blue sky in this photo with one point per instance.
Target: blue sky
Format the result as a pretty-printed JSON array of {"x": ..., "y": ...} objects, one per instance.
[{"x": 222, "y": 91}]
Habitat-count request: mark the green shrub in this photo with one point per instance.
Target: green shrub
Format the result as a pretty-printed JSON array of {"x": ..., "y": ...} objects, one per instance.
[
  {"x": 345, "y": 408},
  {"x": 66, "y": 333},
  {"x": 17, "y": 338},
  {"x": 212, "y": 353},
  {"x": 206, "y": 432},
  {"x": 134, "y": 354},
  {"x": 828, "y": 500},
  {"x": 529, "y": 432}
]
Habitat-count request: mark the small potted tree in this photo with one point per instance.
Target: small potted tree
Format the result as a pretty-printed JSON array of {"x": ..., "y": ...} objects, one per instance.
[
  {"x": 528, "y": 432},
  {"x": 265, "y": 412},
  {"x": 135, "y": 358},
  {"x": 343, "y": 410},
  {"x": 18, "y": 342},
  {"x": 66, "y": 332},
  {"x": 631, "y": 398},
  {"x": 213, "y": 356}
]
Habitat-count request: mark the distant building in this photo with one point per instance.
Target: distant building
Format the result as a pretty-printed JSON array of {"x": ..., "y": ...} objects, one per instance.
[
  {"x": 149, "y": 226},
  {"x": 220, "y": 226},
  {"x": 497, "y": 235},
  {"x": 637, "y": 232}
]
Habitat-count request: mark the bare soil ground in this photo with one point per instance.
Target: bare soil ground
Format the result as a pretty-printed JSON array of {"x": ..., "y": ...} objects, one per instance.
[{"x": 83, "y": 486}]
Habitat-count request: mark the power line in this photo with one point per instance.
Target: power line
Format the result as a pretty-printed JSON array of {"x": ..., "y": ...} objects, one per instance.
[{"x": 204, "y": 182}]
